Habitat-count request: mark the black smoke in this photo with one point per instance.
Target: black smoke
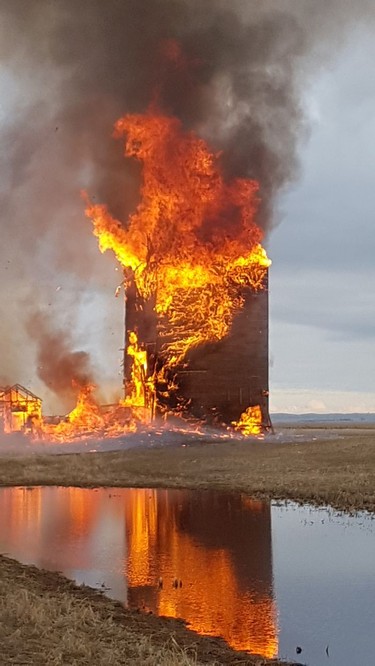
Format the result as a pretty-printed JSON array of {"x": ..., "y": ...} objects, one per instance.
[{"x": 238, "y": 84}]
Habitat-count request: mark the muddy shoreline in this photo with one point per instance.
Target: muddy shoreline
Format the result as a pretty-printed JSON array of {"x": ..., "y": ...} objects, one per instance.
[{"x": 161, "y": 632}]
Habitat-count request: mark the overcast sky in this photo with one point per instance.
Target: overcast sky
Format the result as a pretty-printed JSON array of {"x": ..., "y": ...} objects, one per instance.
[{"x": 323, "y": 274}]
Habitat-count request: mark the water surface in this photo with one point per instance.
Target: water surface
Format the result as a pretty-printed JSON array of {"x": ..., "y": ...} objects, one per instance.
[{"x": 266, "y": 578}]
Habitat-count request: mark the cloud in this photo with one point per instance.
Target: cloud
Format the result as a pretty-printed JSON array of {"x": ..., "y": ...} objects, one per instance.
[
  {"x": 322, "y": 401},
  {"x": 328, "y": 217},
  {"x": 340, "y": 304}
]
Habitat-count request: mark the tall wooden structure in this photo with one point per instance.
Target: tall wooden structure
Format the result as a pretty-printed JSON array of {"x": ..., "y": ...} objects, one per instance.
[{"x": 217, "y": 381}]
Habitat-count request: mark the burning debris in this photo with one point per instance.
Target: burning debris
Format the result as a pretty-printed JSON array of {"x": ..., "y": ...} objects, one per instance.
[
  {"x": 20, "y": 410},
  {"x": 89, "y": 419}
]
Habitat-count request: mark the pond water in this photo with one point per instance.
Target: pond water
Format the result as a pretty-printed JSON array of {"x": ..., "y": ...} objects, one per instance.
[{"x": 266, "y": 578}]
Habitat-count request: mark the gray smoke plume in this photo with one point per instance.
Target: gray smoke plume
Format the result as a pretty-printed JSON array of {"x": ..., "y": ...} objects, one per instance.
[
  {"x": 62, "y": 370},
  {"x": 234, "y": 71}
]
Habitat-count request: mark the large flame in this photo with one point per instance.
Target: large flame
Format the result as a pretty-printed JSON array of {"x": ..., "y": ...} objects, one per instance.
[
  {"x": 192, "y": 242},
  {"x": 191, "y": 248}
]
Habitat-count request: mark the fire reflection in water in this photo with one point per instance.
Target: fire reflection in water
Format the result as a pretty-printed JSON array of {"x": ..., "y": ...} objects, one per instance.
[{"x": 202, "y": 556}]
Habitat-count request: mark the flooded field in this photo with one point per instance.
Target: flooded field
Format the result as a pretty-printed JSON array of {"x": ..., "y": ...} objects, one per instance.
[{"x": 269, "y": 579}]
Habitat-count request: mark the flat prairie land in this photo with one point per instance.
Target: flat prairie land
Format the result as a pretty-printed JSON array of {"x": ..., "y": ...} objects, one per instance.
[
  {"x": 325, "y": 466},
  {"x": 47, "y": 620}
]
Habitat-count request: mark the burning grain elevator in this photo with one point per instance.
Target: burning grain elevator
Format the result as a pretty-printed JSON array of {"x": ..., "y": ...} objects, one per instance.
[
  {"x": 216, "y": 381},
  {"x": 195, "y": 278}
]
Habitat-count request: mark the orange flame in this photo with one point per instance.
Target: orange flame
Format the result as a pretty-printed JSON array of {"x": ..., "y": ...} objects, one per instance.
[
  {"x": 88, "y": 419},
  {"x": 85, "y": 417},
  {"x": 192, "y": 247},
  {"x": 250, "y": 422},
  {"x": 139, "y": 370},
  {"x": 20, "y": 410},
  {"x": 192, "y": 242}
]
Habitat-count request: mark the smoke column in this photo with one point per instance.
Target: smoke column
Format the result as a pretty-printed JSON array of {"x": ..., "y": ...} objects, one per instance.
[
  {"x": 235, "y": 72},
  {"x": 63, "y": 371}
]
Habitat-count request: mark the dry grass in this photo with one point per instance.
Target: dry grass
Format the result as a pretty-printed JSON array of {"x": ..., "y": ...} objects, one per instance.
[
  {"x": 46, "y": 630},
  {"x": 337, "y": 469},
  {"x": 46, "y": 620}
]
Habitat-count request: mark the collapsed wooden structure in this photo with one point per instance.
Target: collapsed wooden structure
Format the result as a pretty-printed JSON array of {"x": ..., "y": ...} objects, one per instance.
[{"x": 20, "y": 409}]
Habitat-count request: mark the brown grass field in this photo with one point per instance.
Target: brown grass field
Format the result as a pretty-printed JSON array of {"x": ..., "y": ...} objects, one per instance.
[
  {"x": 45, "y": 619},
  {"x": 338, "y": 468}
]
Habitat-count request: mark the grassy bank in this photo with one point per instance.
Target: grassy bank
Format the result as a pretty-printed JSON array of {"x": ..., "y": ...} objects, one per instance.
[
  {"x": 46, "y": 620},
  {"x": 337, "y": 469}
]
